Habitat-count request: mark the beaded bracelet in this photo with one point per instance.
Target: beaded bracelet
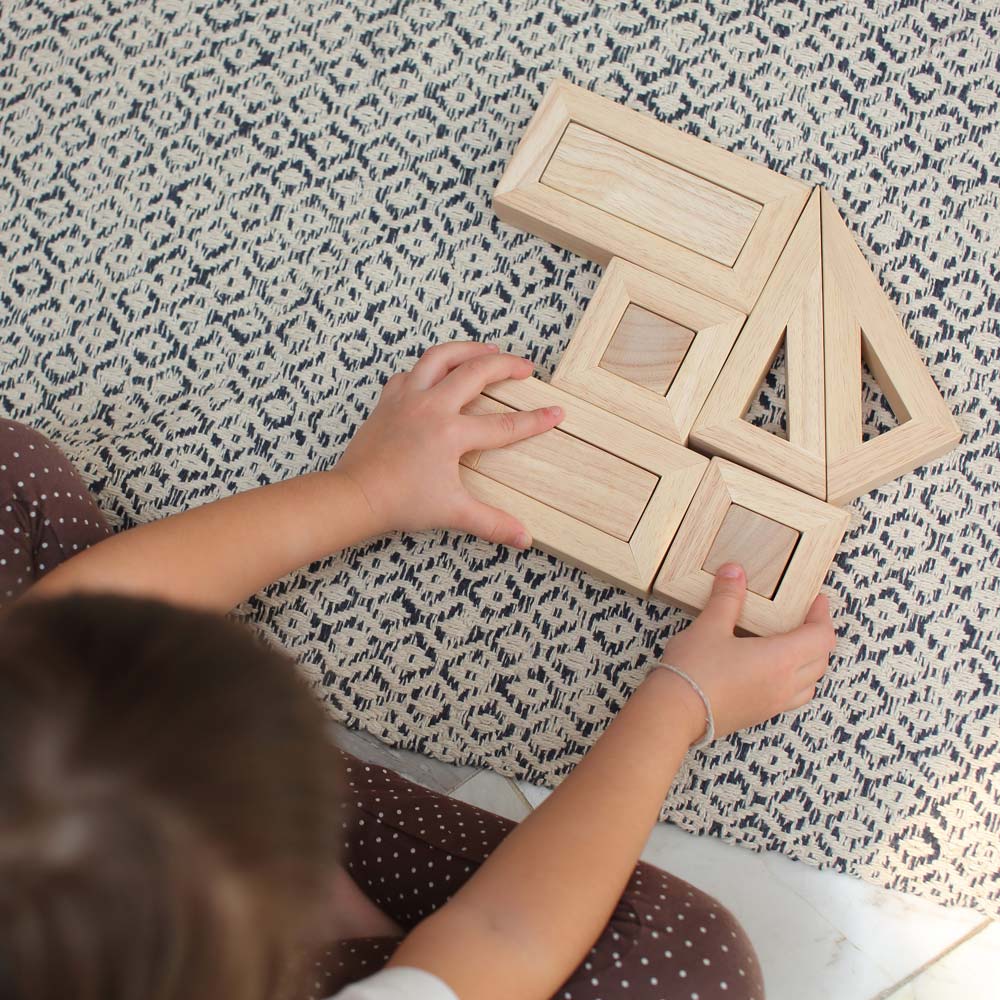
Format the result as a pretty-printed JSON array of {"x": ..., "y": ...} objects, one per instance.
[{"x": 709, "y": 720}]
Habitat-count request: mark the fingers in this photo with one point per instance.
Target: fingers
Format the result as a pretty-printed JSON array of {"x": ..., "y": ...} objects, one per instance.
[
  {"x": 813, "y": 670},
  {"x": 813, "y": 640},
  {"x": 819, "y": 611},
  {"x": 493, "y": 525},
  {"x": 728, "y": 593},
  {"x": 803, "y": 697},
  {"x": 440, "y": 359},
  {"x": 469, "y": 379},
  {"x": 500, "y": 429}
]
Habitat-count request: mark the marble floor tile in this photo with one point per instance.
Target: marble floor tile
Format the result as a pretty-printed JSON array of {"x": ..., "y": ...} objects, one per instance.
[
  {"x": 535, "y": 794},
  {"x": 820, "y": 935},
  {"x": 492, "y": 792},
  {"x": 970, "y": 971},
  {"x": 423, "y": 770}
]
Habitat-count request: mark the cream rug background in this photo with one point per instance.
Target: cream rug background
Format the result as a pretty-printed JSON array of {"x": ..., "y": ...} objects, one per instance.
[{"x": 222, "y": 226}]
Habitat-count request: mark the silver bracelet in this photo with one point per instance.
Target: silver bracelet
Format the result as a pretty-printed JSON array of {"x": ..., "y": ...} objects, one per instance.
[{"x": 709, "y": 720}]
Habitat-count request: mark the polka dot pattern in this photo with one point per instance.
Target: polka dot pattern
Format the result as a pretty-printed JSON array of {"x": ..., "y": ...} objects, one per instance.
[
  {"x": 410, "y": 849},
  {"x": 47, "y": 514}
]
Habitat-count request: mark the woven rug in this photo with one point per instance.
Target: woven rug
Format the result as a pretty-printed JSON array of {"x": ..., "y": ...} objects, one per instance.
[{"x": 223, "y": 225}]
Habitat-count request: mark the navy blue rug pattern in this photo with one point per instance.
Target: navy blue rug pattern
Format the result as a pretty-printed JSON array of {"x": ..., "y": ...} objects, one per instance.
[{"x": 224, "y": 224}]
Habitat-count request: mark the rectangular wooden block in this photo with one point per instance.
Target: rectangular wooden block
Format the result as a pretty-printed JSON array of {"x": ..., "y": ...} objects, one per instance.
[
  {"x": 597, "y": 491},
  {"x": 655, "y": 195},
  {"x": 572, "y": 476},
  {"x": 605, "y": 181},
  {"x": 759, "y": 544},
  {"x": 685, "y": 577}
]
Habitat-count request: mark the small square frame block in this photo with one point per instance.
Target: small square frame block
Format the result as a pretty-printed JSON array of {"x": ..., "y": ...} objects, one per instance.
[
  {"x": 761, "y": 545},
  {"x": 715, "y": 327},
  {"x": 683, "y": 579},
  {"x": 630, "y": 563},
  {"x": 605, "y": 181}
]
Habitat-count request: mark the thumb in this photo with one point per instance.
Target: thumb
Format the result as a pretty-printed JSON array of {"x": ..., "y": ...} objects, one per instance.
[
  {"x": 493, "y": 525},
  {"x": 728, "y": 593},
  {"x": 819, "y": 611}
]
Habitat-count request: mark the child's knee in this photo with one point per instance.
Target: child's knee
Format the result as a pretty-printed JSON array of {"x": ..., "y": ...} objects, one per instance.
[
  {"x": 666, "y": 934},
  {"x": 47, "y": 514}
]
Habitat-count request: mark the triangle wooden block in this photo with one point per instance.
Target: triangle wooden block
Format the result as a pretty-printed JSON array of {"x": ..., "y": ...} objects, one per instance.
[
  {"x": 860, "y": 323},
  {"x": 790, "y": 307}
]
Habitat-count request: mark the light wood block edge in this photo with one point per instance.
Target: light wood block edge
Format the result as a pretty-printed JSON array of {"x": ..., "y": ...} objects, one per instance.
[
  {"x": 791, "y": 303},
  {"x": 821, "y": 526},
  {"x": 521, "y": 200},
  {"x": 651, "y": 193},
  {"x": 716, "y": 328},
  {"x": 860, "y": 320},
  {"x": 632, "y": 564},
  {"x": 586, "y": 482}
]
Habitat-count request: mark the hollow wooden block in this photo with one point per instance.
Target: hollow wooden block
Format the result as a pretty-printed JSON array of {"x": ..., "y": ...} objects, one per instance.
[
  {"x": 647, "y": 349},
  {"x": 597, "y": 491},
  {"x": 860, "y": 323},
  {"x": 762, "y": 546},
  {"x": 651, "y": 193},
  {"x": 605, "y": 181},
  {"x": 789, "y": 312},
  {"x": 635, "y": 328},
  {"x": 684, "y": 579},
  {"x": 572, "y": 476}
]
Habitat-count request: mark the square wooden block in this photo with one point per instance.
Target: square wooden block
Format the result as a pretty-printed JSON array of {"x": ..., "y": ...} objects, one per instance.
[
  {"x": 647, "y": 349},
  {"x": 597, "y": 491},
  {"x": 762, "y": 546},
  {"x": 637, "y": 328},
  {"x": 684, "y": 578},
  {"x": 606, "y": 181}
]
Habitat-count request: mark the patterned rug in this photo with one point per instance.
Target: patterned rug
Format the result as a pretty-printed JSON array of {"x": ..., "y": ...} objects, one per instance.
[{"x": 224, "y": 224}]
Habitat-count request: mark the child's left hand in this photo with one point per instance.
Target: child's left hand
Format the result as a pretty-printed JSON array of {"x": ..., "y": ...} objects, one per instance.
[{"x": 405, "y": 456}]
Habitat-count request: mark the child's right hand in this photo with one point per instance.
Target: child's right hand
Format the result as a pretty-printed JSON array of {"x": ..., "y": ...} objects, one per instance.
[
  {"x": 747, "y": 680},
  {"x": 405, "y": 457}
]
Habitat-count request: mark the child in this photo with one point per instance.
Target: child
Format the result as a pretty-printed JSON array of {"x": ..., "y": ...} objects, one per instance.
[{"x": 175, "y": 824}]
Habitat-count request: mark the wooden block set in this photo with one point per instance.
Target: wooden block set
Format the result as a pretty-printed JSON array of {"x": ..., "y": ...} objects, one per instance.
[{"x": 713, "y": 265}]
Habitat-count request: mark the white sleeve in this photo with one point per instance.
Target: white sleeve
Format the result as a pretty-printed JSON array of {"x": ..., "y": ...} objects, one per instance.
[{"x": 398, "y": 983}]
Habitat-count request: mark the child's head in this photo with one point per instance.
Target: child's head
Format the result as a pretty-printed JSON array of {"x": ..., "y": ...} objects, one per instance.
[{"x": 168, "y": 805}]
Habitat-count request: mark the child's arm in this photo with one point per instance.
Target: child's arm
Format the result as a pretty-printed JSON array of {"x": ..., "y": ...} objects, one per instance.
[
  {"x": 526, "y": 919},
  {"x": 400, "y": 472}
]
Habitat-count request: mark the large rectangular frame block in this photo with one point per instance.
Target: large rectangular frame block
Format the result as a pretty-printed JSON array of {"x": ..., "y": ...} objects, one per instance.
[
  {"x": 684, "y": 580},
  {"x": 715, "y": 327},
  {"x": 630, "y": 563},
  {"x": 605, "y": 181}
]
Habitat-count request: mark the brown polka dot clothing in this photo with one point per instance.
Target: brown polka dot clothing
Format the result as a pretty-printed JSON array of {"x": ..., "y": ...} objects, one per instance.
[
  {"x": 408, "y": 848},
  {"x": 46, "y": 512}
]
